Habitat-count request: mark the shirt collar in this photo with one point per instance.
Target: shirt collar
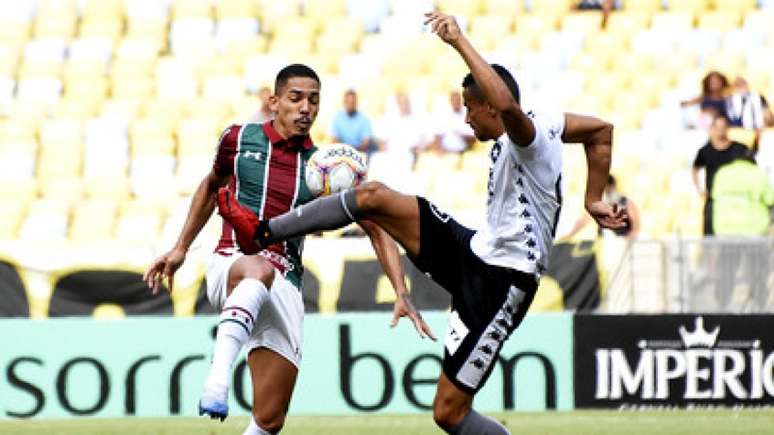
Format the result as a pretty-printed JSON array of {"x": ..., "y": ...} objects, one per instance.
[{"x": 276, "y": 139}]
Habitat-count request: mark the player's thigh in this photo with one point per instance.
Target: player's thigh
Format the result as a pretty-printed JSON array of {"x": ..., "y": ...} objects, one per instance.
[
  {"x": 396, "y": 213},
  {"x": 250, "y": 266},
  {"x": 273, "y": 378}
]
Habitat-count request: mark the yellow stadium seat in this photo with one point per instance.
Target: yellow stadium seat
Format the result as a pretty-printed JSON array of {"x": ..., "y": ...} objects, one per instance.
[
  {"x": 591, "y": 64},
  {"x": 115, "y": 188},
  {"x": 491, "y": 29},
  {"x": 274, "y": 15},
  {"x": 692, "y": 6},
  {"x": 147, "y": 27},
  {"x": 46, "y": 220},
  {"x": 126, "y": 108},
  {"x": 39, "y": 68},
  {"x": 9, "y": 58},
  {"x": 60, "y": 132},
  {"x": 648, "y": 6},
  {"x": 87, "y": 87},
  {"x": 633, "y": 64},
  {"x": 102, "y": 27},
  {"x": 533, "y": 27},
  {"x": 191, "y": 8},
  {"x": 551, "y": 6},
  {"x": 67, "y": 189},
  {"x": 326, "y": 9},
  {"x": 149, "y": 136},
  {"x": 93, "y": 220},
  {"x": 132, "y": 87},
  {"x": 300, "y": 28},
  {"x": 51, "y": 165},
  {"x": 627, "y": 23},
  {"x": 235, "y": 9},
  {"x": 730, "y": 62},
  {"x": 743, "y": 136},
  {"x": 220, "y": 111},
  {"x": 81, "y": 107},
  {"x": 722, "y": 21},
  {"x": 139, "y": 220},
  {"x": 102, "y": 8},
  {"x": 76, "y": 70},
  {"x": 197, "y": 136},
  {"x": 582, "y": 22},
  {"x": 510, "y": 8},
  {"x": 20, "y": 191},
  {"x": 14, "y": 30},
  {"x": 56, "y": 27},
  {"x": 465, "y": 8},
  {"x": 607, "y": 42},
  {"x": 740, "y": 6},
  {"x": 11, "y": 214},
  {"x": 673, "y": 21}
]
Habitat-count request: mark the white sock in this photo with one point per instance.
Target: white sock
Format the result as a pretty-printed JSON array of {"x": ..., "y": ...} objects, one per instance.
[
  {"x": 237, "y": 320},
  {"x": 254, "y": 429}
]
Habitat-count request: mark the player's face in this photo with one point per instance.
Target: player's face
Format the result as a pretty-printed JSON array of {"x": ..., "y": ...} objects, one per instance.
[
  {"x": 296, "y": 105},
  {"x": 477, "y": 115}
]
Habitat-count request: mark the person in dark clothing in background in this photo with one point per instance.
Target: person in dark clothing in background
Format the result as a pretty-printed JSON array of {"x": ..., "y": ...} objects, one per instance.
[{"x": 718, "y": 151}]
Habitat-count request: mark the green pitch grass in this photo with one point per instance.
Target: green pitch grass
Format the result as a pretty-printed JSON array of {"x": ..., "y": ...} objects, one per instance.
[{"x": 555, "y": 423}]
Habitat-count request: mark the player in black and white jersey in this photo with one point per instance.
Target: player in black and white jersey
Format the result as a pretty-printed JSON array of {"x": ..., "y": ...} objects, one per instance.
[{"x": 492, "y": 274}]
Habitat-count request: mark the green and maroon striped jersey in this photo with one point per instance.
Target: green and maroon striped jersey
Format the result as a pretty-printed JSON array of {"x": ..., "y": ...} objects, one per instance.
[{"x": 267, "y": 176}]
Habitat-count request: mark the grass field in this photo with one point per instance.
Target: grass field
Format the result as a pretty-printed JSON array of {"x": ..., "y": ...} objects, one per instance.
[{"x": 553, "y": 423}]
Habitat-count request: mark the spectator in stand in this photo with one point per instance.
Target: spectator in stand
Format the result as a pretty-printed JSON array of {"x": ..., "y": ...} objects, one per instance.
[
  {"x": 742, "y": 198},
  {"x": 746, "y": 108},
  {"x": 712, "y": 101},
  {"x": 604, "y": 5},
  {"x": 453, "y": 135},
  {"x": 403, "y": 132},
  {"x": 615, "y": 198},
  {"x": 264, "y": 113},
  {"x": 352, "y": 127},
  {"x": 718, "y": 151}
]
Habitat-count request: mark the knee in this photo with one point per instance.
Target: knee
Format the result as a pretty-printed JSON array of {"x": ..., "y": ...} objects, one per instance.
[
  {"x": 371, "y": 196},
  {"x": 448, "y": 413},
  {"x": 270, "y": 421},
  {"x": 254, "y": 267}
]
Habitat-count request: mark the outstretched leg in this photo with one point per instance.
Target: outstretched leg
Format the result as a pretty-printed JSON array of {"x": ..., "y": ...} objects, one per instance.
[
  {"x": 453, "y": 412},
  {"x": 396, "y": 213}
]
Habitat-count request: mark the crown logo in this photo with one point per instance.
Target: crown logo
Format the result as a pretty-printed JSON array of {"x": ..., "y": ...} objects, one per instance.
[{"x": 699, "y": 337}]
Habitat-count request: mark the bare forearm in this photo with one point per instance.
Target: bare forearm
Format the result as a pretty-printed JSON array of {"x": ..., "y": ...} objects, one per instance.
[
  {"x": 387, "y": 253},
  {"x": 202, "y": 206},
  {"x": 598, "y": 157},
  {"x": 492, "y": 86}
]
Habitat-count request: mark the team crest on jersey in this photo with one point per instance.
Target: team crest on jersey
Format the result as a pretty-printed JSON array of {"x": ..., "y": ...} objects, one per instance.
[{"x": 443, "y": 217}]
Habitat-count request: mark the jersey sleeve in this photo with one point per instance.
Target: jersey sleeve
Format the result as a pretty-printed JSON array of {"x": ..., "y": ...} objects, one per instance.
[
  {"x": 227, "y": 150},
  {"x": 700, "y": 161},
  {"x": 548, "y": 127}
]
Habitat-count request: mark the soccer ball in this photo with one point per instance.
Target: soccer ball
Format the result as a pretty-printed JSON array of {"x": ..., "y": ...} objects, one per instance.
[{"x": 334, "y": 168}]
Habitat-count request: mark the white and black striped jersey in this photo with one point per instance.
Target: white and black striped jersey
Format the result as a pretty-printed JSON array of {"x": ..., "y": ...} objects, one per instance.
[{"x": 524, "y": 199}]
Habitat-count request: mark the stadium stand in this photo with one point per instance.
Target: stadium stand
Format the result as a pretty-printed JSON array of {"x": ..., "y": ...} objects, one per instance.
[{"x": 111, "y": 108}]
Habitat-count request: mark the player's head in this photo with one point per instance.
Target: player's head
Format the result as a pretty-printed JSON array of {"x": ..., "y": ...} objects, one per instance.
[
  {"x": 718, "y": 130},
  {"x": 296, "y": 99},
  {"x": 713, "y": 82},
  {"x": 482, "y": 117},
  {"x": 350, "y": 101}
]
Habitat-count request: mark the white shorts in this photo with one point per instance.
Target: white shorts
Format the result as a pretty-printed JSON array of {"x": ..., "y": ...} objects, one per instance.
[{"x": 279, "y": 324}]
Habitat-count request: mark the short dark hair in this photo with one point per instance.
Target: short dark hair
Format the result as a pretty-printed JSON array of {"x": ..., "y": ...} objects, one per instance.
[
  {"x": 293, "y": 70},
  {"x": 470, "y": 83}
]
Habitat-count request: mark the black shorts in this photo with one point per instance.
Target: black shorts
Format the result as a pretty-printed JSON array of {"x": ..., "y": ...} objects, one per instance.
[{"x": 488, "y": 302}]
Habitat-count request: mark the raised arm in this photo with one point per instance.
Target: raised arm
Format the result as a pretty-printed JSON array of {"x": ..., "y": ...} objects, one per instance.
[
  {"x": 596, "y": 136},
  {"x": 518, "y": 126},
  {"x": 387, "y": 253},
  {"x": 202, "y": 206}
]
